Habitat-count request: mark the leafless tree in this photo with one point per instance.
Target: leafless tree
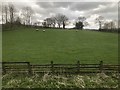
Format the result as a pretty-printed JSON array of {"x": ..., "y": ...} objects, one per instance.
[
  {"x": 48, "y": 22},
  {"x": 27, "y": 13},
  {"x": 18, "y": 20},
  {"x": 61, "y": 20},
  {"x": 53, "y": 21},
  {"x": 100, "y": 20},
  {"x": 58, "y": 20},
  {"x": 81, "y": 22},
  {"x": 85, "y": 23},
  {"x": 112, "y": 24},
  {"x": 109, "y": 25},
  {"x": 106, "y": 25},
  {"x": 64, "y": 20},
  {"x": 116, "y": 23},
  {"x": 81, "y": 19},
  {"x": 5, "y": 13},
  {"x": 12, "y": 12}
]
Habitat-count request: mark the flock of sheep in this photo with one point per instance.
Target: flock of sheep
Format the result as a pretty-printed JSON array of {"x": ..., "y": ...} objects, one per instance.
[
  {"x": 38, "y": 30},
  {"x": 44, "y": 30}
]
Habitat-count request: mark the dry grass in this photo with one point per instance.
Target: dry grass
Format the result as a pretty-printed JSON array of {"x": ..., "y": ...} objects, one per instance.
[{"x": 99, "y": 80}]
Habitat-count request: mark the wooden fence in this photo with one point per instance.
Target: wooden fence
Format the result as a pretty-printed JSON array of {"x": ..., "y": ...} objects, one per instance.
[{"x": 26, "y": 67}]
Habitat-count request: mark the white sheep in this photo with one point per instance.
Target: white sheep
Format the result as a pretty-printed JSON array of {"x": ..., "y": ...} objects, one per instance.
[
  {"x": 43, "y": 30},
  {"x": 37, "y": 29},
  {"x": 76, "y": 30}
]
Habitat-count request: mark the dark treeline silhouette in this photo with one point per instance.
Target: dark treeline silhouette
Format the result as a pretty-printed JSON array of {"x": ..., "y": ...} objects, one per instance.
[
  {"x": 55, "y": 21},
  {"x": 110, "y": 26},
  {"x": 81, "y": 22},
  {"x": 11, "y": 19}
]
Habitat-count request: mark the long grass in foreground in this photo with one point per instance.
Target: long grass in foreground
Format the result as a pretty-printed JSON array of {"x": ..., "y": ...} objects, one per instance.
[{"x": 99, "y": 80}]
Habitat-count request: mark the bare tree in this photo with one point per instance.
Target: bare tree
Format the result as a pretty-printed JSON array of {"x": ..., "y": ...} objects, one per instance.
[
  {"x": 85, "y": 23},
  {"x": 27, "y": 12},
  {"x": 18, "y": 21},
  {"x": 64, "y": 20},
  {"x": 112, "y": 24},
  {"x": 48, "y": 22},
  {"x": 4, "y": 13},
  {"x": 44, "y": 24},
  {"x": 109, "y": 25},
  {"x": 11, "y": 12},
  {"x": 106, "y": 25},
  {"x": 81, "y": 22},
  {"x": 53, "y": 20},
  {"x": 58, "y": 20},
  {"x": 99, "y": 20},
  {"x": 81, "y": 19},
  {"x": 61, "y": 20}
]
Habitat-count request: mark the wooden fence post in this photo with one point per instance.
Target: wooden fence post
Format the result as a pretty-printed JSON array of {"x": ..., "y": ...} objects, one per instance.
[
  {"x": 3, "y": 68},
  {"x": 119, "y": 68},
  {"x": 29, "y": 69},
  {"x": 52, "y": 67},
  {"x": 101, "y": 66},
  {"x": 78, "y": 66}
]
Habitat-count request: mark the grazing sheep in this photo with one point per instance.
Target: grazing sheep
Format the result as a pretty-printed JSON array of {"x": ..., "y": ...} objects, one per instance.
[
  {"x": 43, "y": 30},
  {"x": 76, "y": 30},
  {"x": 37, "y": 29}
]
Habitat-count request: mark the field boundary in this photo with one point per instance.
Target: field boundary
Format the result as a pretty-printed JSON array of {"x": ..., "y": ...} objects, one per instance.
[{"x": 27, "y": 67}]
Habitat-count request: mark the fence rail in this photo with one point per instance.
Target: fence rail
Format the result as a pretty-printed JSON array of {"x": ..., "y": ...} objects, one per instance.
[{"x": 26, "y": 67}]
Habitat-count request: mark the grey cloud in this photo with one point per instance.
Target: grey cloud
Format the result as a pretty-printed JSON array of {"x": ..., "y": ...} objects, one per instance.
[
  {"x": 54, "y": 4},
  {"x": 74, "y": 6},
  {"x": 110, "y": 11},
  {"x": 63, "y": 4},
  {"x": 84, "y": 6},
  {"x": 71, "y": 9},
  {"x": 45, "y": 4},
  {"x": 107, "y": 9}
]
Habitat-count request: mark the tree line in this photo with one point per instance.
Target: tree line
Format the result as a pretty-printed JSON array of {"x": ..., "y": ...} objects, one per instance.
[{"x": 11, "y": 17}]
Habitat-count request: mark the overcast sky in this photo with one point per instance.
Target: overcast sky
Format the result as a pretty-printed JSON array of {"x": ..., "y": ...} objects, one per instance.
[{"x": 91, "y": 10}]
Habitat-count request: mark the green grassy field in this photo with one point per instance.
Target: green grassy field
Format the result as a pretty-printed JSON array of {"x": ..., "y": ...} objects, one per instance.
[{"x": 61, "y": 46}]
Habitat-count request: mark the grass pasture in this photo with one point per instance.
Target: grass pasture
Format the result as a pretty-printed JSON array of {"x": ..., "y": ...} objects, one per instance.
[{"x": 61, "y": 46}]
